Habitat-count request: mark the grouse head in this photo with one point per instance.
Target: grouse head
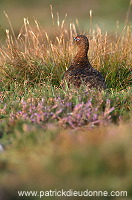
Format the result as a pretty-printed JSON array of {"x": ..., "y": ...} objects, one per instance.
[{"x": 82, "y": 42}]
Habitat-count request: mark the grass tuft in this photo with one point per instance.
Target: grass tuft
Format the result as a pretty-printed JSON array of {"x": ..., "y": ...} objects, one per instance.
[{"x": 35, "y": 56}]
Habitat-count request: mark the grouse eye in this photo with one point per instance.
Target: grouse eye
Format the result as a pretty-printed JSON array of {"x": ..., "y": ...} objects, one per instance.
[{"x": 77, "y": 39}]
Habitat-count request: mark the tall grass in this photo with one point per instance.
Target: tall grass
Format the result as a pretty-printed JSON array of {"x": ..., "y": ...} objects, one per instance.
[{"x": 35, "y": 56}]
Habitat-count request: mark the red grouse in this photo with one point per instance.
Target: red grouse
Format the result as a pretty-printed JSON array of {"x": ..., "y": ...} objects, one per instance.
[{"x": 81, "y": 71}]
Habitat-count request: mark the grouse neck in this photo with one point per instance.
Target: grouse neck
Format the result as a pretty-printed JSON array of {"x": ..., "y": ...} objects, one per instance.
[{"x": 81, "y": 56}]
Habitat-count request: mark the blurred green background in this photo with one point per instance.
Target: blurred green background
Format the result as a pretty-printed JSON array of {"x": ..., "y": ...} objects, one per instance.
[{"x": 105, "y": 12}]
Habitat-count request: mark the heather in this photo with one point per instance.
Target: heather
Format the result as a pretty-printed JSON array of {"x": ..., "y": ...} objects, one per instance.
[
  {"x": 57, "y": 137},
  {"x": 65, "y": 108}
]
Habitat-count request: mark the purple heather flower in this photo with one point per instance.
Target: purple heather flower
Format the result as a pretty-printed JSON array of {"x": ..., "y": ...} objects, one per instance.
[
  {"x": 95, "y": 117},
  {"x": 78, "y": 106},
  {"x": 64, "y": 111}
]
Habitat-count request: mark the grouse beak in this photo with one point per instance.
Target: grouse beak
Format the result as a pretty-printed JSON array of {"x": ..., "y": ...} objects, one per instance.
[{"x": 76, "y": 39}]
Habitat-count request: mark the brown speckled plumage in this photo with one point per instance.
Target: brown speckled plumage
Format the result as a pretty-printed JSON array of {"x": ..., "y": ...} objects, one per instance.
[{"x": 81, "y": 71}]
